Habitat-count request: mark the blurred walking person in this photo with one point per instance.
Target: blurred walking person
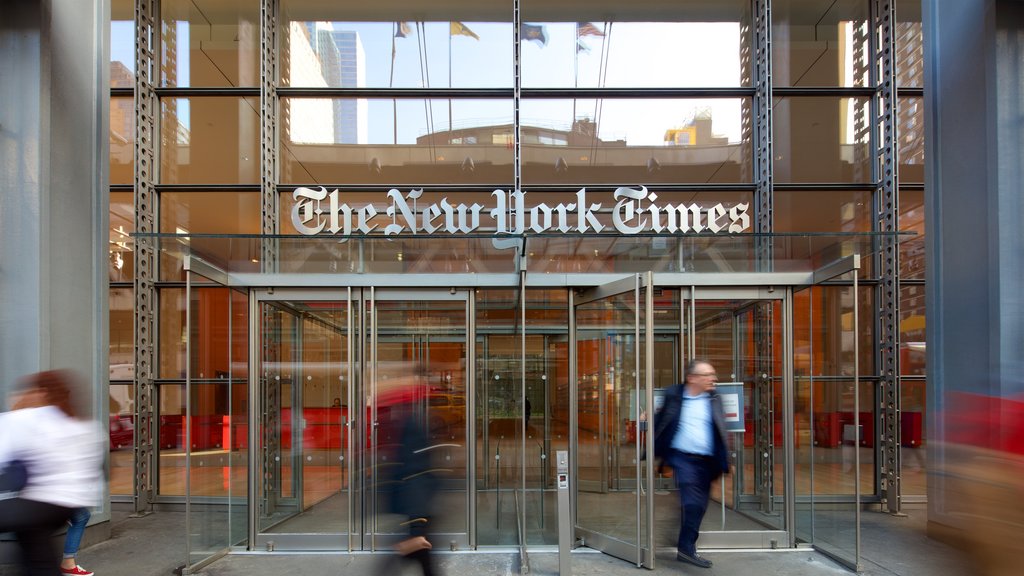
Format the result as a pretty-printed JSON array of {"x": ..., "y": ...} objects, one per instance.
[
  {"x": 407, "y": 473},
  {"x": 62, "y": 458},
  {"x": 689, "y": 436}
]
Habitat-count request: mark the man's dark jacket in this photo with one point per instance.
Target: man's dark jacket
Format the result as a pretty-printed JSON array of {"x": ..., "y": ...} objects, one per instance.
[{"x": 666, "y": 423}]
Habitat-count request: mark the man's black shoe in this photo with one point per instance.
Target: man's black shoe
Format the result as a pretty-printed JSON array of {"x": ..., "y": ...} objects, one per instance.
[{"x": 695, "y": 559}]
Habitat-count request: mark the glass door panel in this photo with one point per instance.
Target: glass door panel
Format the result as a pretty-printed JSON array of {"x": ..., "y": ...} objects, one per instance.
[
  {"x": 739, "y": 331},
  {"x": 418, "y": 389},
  {"x": 305, "y": 389},
  {"x": 837, "y": 409},
  {"x": 614, "y": 343}
]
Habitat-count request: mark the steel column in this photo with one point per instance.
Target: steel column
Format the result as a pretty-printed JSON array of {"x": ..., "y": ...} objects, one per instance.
[
  {"x": 884, "y": 107},
  {"x": 147, "y": 114},
  {"x": 268, "y": 131},
  {"x": 764, "y": 462}
]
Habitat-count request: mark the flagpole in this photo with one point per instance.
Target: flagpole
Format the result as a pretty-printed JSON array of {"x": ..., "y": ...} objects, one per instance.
[
  {"x": 575, "y": 75},
  {"x": 449, "y": 82},
  {"x": 391, "y": 84}
]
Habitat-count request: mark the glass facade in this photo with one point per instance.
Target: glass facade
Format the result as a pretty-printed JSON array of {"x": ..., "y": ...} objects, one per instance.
[{"x": 363, "y": 103}]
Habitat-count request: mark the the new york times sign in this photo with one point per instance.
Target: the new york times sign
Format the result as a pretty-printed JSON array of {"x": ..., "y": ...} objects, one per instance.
[{"x": 319, "y": 211}]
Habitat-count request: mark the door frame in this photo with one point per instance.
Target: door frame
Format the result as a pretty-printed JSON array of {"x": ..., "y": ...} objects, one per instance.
[
  {"x": 641, "y": 286},
  {"x": 361, "y": 533}
]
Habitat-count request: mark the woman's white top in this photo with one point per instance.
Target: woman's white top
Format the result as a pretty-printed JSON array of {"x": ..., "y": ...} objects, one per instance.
[{"x": 63, "y": 455}]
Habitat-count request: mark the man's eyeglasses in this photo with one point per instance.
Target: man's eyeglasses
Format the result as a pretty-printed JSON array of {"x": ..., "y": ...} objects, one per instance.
[{"x": 711, "y": 374}]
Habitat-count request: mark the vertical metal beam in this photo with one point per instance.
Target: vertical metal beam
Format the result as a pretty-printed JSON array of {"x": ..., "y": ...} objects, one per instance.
[
  {"x": 763, "y": 126},
  {"x": 764, "y": 464},
  {"x": 268, "y": 131},
  {"x": 147, "y": 37},
  {"x": 517, "y": 54},
  {"x": 884, "y": 106}
]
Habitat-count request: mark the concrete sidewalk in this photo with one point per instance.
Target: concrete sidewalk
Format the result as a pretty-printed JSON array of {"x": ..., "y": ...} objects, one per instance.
[{"x": 153, "y": 545}]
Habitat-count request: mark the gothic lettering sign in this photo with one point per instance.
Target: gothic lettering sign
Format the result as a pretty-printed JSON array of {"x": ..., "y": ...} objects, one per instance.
[{"x": 636, "y": 210}]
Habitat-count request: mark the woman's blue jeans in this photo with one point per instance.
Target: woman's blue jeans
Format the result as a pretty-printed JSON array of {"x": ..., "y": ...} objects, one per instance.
[{"x": 73, "y": 539}]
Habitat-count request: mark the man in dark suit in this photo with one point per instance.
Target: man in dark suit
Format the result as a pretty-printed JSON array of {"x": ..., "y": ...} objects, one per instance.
[{"x": 689, "y": 436}]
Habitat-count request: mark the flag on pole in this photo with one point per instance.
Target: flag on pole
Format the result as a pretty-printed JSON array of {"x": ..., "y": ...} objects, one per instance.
[
  {"x": 535, "y": 32},
  {"x": 403, "y": 29},
  {"x": 460, "y": 29},
  {"x": 587, "y": 29}
]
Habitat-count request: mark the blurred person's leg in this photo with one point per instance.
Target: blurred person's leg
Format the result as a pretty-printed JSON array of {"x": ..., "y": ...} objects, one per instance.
[
  {"x": 73, "y": 541},
  {"x": 34, "y": 523}
]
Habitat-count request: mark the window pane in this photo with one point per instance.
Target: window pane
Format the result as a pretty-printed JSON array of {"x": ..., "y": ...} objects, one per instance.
[
  {"x": 122, "y": 140},
  {"x": 122, "y": 44},
  {"x": 357, "y": 45},
  {"x": 910, "y": 126},
  {"x": 817, "y": 43},
  {"x": 631, "y": 141},
  {"x": 171, "y": 338},
  {"x": 913, "y": 436},
  {"x": 206, "y": 213},
  {"x": 121, "y": 265},
  {"x": 912, "y": 335},
  {"x": 407, "y": 141},
  {"x": 909, "y": 44},
  {"x": 122, "y": 334},
  {"x": 822, "y": 140},
  {"x": 648, "y": 44},
  {"x": 122, "y": 439},
  {"x": 823, "y": 211},
  {"x": 216, "y": 45},
  {"x": 912, "y": 260},
  {"x": 209, "y": 141}
]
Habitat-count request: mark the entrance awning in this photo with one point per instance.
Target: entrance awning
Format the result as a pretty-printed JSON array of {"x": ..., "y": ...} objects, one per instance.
[{"x": 489, "y": 260}]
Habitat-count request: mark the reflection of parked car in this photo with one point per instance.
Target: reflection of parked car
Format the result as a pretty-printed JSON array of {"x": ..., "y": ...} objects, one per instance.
[
  {"x": 446, "y": 412},
  {"x": 122, "y": 432}
]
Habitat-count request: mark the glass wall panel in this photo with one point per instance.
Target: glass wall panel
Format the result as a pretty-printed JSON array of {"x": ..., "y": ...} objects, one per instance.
[
  {"x": 821, "y": 43},
  {"x": 909, "y": 44},
  {"x": 171, "y": 336},
  {"x": 913, "y": 436},
  {"x": 822, "y": 139},
  {"x": 121, "y": 265},
  {"x": 636, "y": 141},
  {"x": 122, "y": 334},
  {"x": 604, "y": 45},
  {"x": 467, "y": 46},
  {"x": 405, "y": 141},
  {"x": 171, "y": 433},
  {"x": 207, "y": 213},
  {"x": 912, "y": 260},
  {"x": 910, "y": 128},
  {"x": 209, "y": 140},
  {"x": 210, "y": 44},
  {"x": 122, "y": 140},
  {"x": 122, "y": 44}
]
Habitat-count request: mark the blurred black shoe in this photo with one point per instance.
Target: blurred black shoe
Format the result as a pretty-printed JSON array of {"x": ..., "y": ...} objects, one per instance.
[{"x": 695, "y": 559}]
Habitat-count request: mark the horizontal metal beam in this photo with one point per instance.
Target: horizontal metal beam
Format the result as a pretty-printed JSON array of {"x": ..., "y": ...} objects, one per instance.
[{"x": 511, "y": 280}]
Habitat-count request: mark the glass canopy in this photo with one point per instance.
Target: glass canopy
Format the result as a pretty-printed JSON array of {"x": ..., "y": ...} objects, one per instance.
[{"x": 296, "y": 257}]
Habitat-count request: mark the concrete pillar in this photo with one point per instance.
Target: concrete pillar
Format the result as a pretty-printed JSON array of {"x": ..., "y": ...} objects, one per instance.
[
  {"x": 974, "y": 211},
  {"x": 54, "y": 193}
]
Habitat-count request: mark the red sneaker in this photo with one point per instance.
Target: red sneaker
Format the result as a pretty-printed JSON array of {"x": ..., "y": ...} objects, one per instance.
[{"x": 76, "y": 571}]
